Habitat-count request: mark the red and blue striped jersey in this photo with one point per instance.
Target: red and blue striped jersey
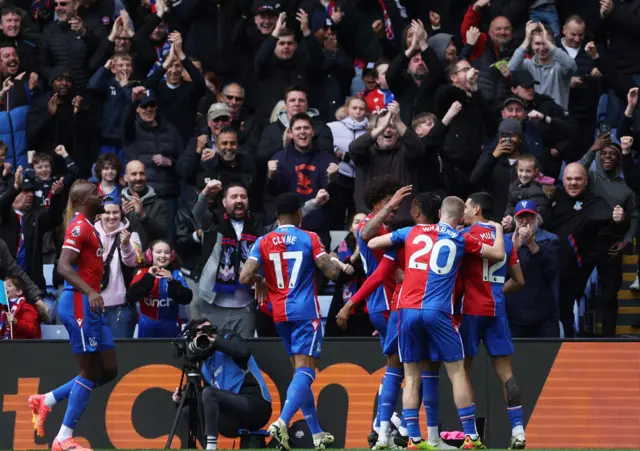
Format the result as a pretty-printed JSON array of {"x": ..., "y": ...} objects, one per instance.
[
  {"x": 433, "y": 254},
  {"x": 81, "y": 237},
  {"x": 482, "y": 280},
  {"x": 157, "y": 305},
  {"x": 398, "y": 257},
  {"x": 288, "y": 256},
  {"x": 381, "y": 299}
]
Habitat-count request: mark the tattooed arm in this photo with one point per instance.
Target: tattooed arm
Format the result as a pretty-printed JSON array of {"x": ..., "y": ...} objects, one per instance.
[
  {"x": 249, "y": 274},
  {"x": 371, "y": 228},
  {"x": 329, "y": 264}
]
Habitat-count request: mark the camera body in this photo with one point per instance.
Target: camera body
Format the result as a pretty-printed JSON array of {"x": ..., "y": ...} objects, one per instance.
[{"x": 194, "y": 344}]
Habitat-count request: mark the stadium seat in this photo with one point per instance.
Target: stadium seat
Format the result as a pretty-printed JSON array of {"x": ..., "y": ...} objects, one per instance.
[
  {"x": 337, "y": 236},
  {"x": 54, "y": 332}
]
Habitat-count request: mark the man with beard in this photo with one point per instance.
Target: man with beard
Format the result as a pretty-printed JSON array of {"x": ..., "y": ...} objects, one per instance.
[
  {"x": 177, "y": 98},
  {"x": 62, "y": 118},
  {"x": 211, "y": 264},
  {"x": 23, "y": 224},
  {"x": 491, "y": 52},
  {"x": 81, "y": 310},
  {"x": 552, "y": 67},
  {"x": 533, "y": 310},
  {"x": 67, "y": 41},
  {"x": 14, "y": 106},
  {"x": 304, "y": 169},
  {"x": 147, "y": 213},
  {"x": 606, "y": 181},
  {"x": 588, "y": 229},
  {"x": 228, "y": 164},
  {"x": 414, "y": 76}
]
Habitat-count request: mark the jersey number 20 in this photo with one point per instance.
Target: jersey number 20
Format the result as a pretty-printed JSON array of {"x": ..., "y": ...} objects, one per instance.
[
  {"x": 296, "y": 256},
  {"x": 435, "y": 253}
]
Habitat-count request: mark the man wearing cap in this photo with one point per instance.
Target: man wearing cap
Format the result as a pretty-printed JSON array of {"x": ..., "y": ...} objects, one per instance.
[
  {"x": 202, "y": 148},
  {"x": 533, "y": 310},
  {"x": 588, "y": 228},
  {"x": 552, "y": 67},
  {"x": 61, "y": 117},
  {"x": 23, "y": 224},
  {"x": 496, "y": 169},
  {"x": 150, "y": 138},
  {"x": 606, "y": 181},
  {"x": 178, "y": 99}
]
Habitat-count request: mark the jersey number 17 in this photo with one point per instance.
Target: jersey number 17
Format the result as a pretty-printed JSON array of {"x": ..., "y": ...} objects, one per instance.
[{"x": 277, "y": 259}]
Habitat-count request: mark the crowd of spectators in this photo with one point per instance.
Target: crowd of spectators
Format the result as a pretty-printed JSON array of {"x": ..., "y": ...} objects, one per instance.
[{"x": 192, "y": 116}]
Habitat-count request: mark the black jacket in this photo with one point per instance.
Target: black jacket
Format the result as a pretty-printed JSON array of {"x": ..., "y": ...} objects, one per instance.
[
  {"x": 36, "y": 222},
  {"x": 330, "y": 85},
  {"x": 494, "y": 175},
  {"x": 623, "y": 24},
  {"x": 9, "y": 268},
  {"x": 61, "y": 47},
  {"x": 142, "y": 142}
]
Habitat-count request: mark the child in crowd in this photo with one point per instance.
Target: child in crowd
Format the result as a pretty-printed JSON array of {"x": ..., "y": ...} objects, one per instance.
[
  {"x": 159, "y": 287},
  {"x": 108, "y": 169},
  {"x": 20, "y": 321},
  {"x": 40, "y": 172},
  {"x": 525, "y": 187}
]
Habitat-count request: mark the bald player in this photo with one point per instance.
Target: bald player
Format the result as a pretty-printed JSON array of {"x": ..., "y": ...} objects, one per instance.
[
  {"x": 81, "y": 310},
  {"x": 586, "y": 226}
]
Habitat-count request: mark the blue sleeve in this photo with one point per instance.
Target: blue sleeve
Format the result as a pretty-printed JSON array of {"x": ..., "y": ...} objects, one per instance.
[
  {"x": 399, "y": 236},
  {"x": 177, "y": 275},
  {"x": 255, "y": 251}
]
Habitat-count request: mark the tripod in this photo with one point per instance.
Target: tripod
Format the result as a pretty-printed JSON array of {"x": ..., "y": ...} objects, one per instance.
[{"x": 193, "y": 397}]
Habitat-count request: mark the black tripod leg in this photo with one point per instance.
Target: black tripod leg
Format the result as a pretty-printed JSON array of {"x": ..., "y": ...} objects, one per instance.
[
  {"x": 200, "y": 406},
  {"x": 174, "y": 427}
]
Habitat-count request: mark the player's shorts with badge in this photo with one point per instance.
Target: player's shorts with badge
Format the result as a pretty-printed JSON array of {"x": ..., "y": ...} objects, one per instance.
[
  {"x": 428, "y": 335},
  {"x": 492, "y": 330},
  {"x": 88, "y": 331},
  {"x": 390, "y": 345},
  {"x": 301, "y": 337}
]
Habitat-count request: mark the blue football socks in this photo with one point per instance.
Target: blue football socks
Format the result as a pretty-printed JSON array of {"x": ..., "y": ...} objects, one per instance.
[
  {"x": 515, "y": 416},
  {"x": 310, "y": 413},
  {"x": 431, "y": 397},
  {"x": 468, "y": 419},
  {"x": 411, "y": 417},
  {"x": 63, "y": 391},
  {"x": 78, "y": 401},
  {"x": 389, "y": 397},
  {"x": 296, "y": 393}
]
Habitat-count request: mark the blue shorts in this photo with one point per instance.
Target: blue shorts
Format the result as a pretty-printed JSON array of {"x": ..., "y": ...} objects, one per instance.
[
  {"x": 301, "y": 337},
  {"x": 390, "y": 346},
  {"x": 88, "y": 331},
  {"x": 428, "y": 335},
  {"x": 379, "y": 322},
  {"x": 150, "y": 328},
  {"x": 492, "y": 330}
]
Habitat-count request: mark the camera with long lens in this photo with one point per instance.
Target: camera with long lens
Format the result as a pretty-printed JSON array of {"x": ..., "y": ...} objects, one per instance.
[{"x": 194, "y": 344}]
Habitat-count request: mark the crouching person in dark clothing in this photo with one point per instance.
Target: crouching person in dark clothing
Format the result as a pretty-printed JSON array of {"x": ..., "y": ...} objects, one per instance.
[{"x": 235, "y": 395}]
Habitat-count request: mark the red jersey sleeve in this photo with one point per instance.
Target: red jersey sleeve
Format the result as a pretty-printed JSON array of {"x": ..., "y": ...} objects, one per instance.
[
  {"x": 74, "y": 238},
  {"x": 472, "y": 245},
  {"x": 386, "y": 266},
  {"x": 139, "y": 275},
  {"x": 513, "y": 258},
  {"x": 472, "y": 19},
  {"x": 316, "y": 246}
]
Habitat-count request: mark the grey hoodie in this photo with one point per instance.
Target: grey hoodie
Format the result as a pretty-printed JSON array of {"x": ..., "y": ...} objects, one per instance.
[{"x": 612, "y": 188}]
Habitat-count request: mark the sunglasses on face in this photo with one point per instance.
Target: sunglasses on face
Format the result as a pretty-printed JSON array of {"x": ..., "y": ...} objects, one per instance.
[
  {"x": 222, "y": 119},
  {"x": 236, "y": 98},
  {"x": 61, "y": 3},
  {"x": 148, "y": 106}
]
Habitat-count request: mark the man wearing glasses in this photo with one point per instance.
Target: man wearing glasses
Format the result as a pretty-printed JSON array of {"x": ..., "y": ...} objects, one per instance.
[{"x": 242, "y": 117}]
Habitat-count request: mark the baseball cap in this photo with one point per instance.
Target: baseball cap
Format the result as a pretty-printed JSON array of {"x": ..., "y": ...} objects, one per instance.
[
  {"x": 522, "y": 78},
  {"x": 511, "y": 100},
  {"x": 525, "y": 206},
  {"x": 217, "y": 110},
  {"x": 369, "y": 68},
  {"x": 320, "y": 19},
  {"x": 511, "y": 126},
  {"x": 28, "y": 185},
  {"x": 149, "y": 98},
  {"x": 268, "y": 8}
]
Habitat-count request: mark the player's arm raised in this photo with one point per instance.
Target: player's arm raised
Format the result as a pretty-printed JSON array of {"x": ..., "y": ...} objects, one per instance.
[
  {"x": 517, "y": 280},
  {"x": 380, "y": 242},
  {"x": 68, "y": 258},
  {"x": 370, "y": 229},
  {"x": 495, "y": 252},
  {"x": 330, "y": 265},
  {"x": 249, "y": 274}
]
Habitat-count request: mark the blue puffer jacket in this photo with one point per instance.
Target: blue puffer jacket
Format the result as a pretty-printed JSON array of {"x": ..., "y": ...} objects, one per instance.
[{"x": 13, "y": 124}]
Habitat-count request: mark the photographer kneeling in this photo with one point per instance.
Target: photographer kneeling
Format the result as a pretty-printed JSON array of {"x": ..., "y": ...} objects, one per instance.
[{"x": 235, "y": 394}]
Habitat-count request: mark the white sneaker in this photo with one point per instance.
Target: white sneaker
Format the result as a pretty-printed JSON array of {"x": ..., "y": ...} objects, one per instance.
[
  {"x": 321, "y": 443},
  {"x": 385, "y": 443},
  {"x": 635, "y": 286},
  {"x": 441, "y": 445},
  {"x": 278, "y": 430},
  {"x": 519, "y": 441}
]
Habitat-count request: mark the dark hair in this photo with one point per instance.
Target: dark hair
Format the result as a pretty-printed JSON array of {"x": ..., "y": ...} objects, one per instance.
[
  {"x": 300, "y": 117},
  {"x": 287, "y": 204},
  {"x": 452, "y": 68},
  {"x": 10, "y": 10},
  {"x": 429, "y": 204},
  {"x": 3, "y": 147},
  {"x": 234, "y": 184},
  {"x": 484, "y": 201},
  {"x": 40, "y": 157},
  {"x": 295, "y": 89},
  {"x": 528, "y": 158},
  {"x": 228, "y": 129},
  {"x": 110, "y": 159},
  {"x": 379, "y": 188},
  {"x": 287, "y": 32},
  {"x": 19, "y": 283}
]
